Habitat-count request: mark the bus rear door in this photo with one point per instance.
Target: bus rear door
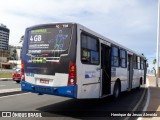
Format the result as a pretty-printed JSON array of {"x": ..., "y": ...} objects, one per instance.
[{"x": 105, "y": 70}]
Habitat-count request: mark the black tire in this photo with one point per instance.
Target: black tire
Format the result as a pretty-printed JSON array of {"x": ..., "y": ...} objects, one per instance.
[
  {"x": 18, "y": 81},
  {"x": 139, "y": 85},
  {"x": 117, "y": 90}
]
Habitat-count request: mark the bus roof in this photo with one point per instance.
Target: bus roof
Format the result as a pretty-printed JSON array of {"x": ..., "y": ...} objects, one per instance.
[
  {"x": 111, "y": 41},
  {"x": 95, "y": 34}
]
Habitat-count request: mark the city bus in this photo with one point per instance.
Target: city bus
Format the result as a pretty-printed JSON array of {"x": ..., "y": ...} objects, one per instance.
[{"x": 68, "y": 59}]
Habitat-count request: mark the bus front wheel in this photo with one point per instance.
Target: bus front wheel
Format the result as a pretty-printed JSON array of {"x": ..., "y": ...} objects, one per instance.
[{"x": 116, "y": 92}]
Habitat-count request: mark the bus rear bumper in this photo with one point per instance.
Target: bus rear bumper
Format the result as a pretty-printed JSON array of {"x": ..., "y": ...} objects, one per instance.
[{"x": 67, "y": 91}]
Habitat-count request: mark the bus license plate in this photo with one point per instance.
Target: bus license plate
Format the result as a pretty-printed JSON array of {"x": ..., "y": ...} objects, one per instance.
[{"x": 44, "y": 81}]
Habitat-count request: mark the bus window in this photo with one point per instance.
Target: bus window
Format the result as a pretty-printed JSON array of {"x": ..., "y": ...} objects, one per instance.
[
  {"x": 134, "y": 62},
  {"x": 138, "y": 62},
  {"x": 123, "y": 59},
  {"x": 49, "y": 41},
  {"x": 115, "y": 57},
  {"x": 142, "y": 64},
  {"x": 89, "y": 49},
  {"x": 84, "y": 41}
]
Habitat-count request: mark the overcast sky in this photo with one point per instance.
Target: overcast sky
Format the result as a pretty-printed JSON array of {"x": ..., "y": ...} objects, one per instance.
[{"x": 132, "y": 23}]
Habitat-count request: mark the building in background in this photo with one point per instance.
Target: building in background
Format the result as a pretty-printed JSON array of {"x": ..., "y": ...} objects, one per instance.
[
  {"x": 15, "y": 56},
  {"x": 4, "y": 40},
  {"x": 12, "y": 52}
]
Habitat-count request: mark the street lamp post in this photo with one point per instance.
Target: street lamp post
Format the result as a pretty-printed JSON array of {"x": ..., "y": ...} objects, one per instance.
[{"x": 158, "y": 36}]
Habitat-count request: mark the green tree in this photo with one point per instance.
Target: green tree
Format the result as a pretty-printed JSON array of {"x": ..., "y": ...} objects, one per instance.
[
  {"x": 21, "y": 39},
  {"x": 14, "y": 55}
]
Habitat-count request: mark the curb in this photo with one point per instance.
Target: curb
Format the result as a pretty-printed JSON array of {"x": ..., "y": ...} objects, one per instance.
[
  {"x": 6, "y": 92},
  {"x": 11, "y": 93},
  {"x": 5, "y": 79}
]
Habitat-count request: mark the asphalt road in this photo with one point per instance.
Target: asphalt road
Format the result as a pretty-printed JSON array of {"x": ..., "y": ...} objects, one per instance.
[
  {"x": 10, "y": 84},
  {"x": 71, "y": 108}
]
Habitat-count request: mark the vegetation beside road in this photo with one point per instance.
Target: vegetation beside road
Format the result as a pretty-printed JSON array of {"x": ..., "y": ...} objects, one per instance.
[{"x": 6, "y": 75}]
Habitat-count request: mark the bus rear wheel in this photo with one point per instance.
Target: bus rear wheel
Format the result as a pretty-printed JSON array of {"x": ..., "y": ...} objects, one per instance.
[
  {"x": 116, "y": 91},
  {"x": 140, "y": 83},
  {"x": 18, "y": 81}
]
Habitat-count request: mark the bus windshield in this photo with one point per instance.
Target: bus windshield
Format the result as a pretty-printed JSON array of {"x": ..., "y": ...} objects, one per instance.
[{"x": 48, "y": 40}]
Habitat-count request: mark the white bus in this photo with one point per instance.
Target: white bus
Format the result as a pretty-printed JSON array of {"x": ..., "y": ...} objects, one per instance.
[{"x": 68, "y": 59}]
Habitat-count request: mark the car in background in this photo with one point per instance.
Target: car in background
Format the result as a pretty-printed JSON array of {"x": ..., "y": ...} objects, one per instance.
[{"x": 17, "y": 75}]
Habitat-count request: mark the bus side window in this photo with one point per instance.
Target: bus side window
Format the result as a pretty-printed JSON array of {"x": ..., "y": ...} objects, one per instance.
[
  {"x": 142, "y": 63},
  {"x": 135, "y": 62},
  {"x": 123, "y": 58},
  {"x": 115, "y": 56},
  {"x": 138, "y": 63},
  {"x": 89, "y": 49}
]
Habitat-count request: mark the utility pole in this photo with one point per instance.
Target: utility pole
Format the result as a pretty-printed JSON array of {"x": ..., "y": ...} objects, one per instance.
[{"x": 158, "y": 36}]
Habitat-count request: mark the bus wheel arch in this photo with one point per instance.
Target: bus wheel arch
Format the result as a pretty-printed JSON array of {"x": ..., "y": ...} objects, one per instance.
[
  {"x": 117, "y": 89},
  {"x": 140, "y": 83},
  {"x": 141, "y": 80}
]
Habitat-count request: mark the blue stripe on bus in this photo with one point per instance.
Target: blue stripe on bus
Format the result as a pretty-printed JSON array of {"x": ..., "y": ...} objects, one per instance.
[{"x": 67, "y": 91}]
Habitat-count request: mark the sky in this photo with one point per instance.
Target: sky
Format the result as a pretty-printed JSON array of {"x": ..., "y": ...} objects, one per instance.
[{"x": 132, "y": 23}]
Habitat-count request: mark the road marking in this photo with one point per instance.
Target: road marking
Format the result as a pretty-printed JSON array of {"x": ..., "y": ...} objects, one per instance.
[
  {"x": 148, "y": 99},
  {"x": 2, "y": 85},
  {"x": 134, "y": 109},
  {"x": 14, "y": 95}
]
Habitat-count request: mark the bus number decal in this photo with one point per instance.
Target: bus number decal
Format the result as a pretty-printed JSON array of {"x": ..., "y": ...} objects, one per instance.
[{"x": 62, "y": 26}]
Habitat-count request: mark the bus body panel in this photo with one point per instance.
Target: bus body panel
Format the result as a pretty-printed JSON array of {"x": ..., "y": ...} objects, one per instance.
[
  {"x": 89, "y": 87},
  {"x": 121, "y": 73},
  {"x": 136, "y": 78},
  {"x": 67, "y": 91},
  {"x": 59, "y": 79},
  {"x": 88, "y": 77}
]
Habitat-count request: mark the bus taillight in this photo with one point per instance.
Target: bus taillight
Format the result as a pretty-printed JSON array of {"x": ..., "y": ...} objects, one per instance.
[
  {"x": 22, "y": 71},
  {"x": 72, "y": 74}
]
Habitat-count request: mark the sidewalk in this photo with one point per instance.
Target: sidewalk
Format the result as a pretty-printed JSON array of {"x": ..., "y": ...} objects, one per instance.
[
  {"x": 154, "y": 103},
  {"x": 4, "y": 92},
  {"x": 5, "y": 79}
]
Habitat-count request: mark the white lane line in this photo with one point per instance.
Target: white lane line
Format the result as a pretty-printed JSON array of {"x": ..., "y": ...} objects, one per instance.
[
  {"x": 14, "y": 95},
  {"x": 2, "y": 85},
  {"x": 148, "y": 99},
  {"x": 141, "y": 98},
  {"x": 137, "y": 105}
]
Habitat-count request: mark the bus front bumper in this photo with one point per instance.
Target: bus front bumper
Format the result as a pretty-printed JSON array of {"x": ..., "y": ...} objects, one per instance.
[{"x": 67, "y": 91}]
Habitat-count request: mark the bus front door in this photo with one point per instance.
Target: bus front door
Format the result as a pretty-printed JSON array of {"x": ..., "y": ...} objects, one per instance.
[{"x": 105, "y": 70}]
